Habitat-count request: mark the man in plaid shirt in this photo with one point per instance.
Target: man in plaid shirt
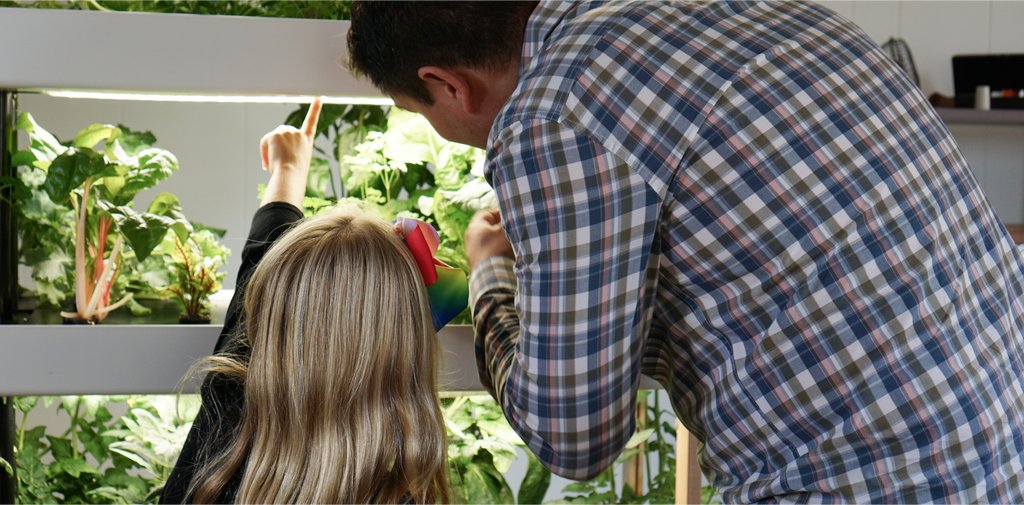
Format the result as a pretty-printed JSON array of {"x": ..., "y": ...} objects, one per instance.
[{"x": 745, "y": 201}]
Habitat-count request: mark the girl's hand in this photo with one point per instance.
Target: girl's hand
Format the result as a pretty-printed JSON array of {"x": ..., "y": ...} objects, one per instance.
[
  {"x": 286, "y": 153},
  {"x": 291, "y": 148}
]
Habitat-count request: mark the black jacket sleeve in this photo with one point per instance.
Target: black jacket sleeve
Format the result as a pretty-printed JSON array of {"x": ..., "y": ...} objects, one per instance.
[{"x": 223, "y": 398}]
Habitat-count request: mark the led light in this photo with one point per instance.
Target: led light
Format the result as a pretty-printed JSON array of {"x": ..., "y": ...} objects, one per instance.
[{"x": 218, "y": 99}]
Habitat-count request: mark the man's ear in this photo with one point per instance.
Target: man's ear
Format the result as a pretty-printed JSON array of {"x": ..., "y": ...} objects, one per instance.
[{"x": 451, "y": 85}]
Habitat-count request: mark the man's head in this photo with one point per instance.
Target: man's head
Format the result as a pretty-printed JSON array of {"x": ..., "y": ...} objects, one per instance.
[{"x": 390, "y": 41}]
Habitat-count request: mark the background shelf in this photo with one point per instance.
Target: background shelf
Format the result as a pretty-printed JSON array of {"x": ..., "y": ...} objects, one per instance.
[{"x": 981, "y": 117}]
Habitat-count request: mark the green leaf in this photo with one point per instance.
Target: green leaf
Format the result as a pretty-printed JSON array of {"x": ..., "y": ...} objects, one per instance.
[
  {"x": 23, "y": 159},
  {"x": 138, "y": 309},
  {"x": 113, "y": 184},
  {"x": 53, "y": 267},
  {"x": 535, "y": 483},
  {"x": 69, "y": 171},
  {"x": 579, "y": 487},
  {"x": 6, "y": 466},
  {"x": 409, "y": 138},
  {"x": 43, "y": 145},
  {"x": 319, "y": 178},
  {"x": 134, "y": 142},
  {"x": 25, "y": 403},
  {"x": 154, "y": 165},
  {"x": 483, "y": 486},
  {"x": 166, "y": 204},
  {"x": 61, "y": 447},
  {"x": 76, "y": 467},
  {"x": 625, "y": 456},
  {"x": 219, "y": 232},
  {"x": 639, "y": 438},
  {"x": 33, "y": 442},
  {"x": 93, "y": 134},
  {"x": 142, "y": 231}
]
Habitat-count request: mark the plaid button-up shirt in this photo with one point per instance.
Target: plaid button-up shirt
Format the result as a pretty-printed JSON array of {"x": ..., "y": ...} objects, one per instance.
[{"x": 753, "y": 205}]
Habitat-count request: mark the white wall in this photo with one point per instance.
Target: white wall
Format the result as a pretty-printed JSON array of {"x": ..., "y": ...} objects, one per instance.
[{"x": 937, "y": 30}]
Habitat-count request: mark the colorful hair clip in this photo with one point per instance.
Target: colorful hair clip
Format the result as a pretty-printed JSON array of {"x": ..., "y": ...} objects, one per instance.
[{"x": 447, "y": 286}]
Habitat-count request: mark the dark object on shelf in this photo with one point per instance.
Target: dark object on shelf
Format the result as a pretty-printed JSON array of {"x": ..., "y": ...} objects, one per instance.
[
  {"x": 194, "y": 319},
  {"x": 1002, "y": 73},
  {"x": 940, "y": 100},
  {"x": 899, "y": 51},
  {"x": 78, "y": 320}
]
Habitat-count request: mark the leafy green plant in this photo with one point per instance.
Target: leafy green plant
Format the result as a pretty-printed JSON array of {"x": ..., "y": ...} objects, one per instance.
[
  {"x": 396, "y": 162},
  {"x": 99, "y": 458},
  {"x": 196, "y": 263},
  {"x": 84, "y": 189},
  {"x": 481, "y": 447},
  {"x": 102, "y": 459}
]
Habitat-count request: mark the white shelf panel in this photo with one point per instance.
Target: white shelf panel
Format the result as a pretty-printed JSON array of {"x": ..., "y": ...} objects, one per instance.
[
  {"x": 175, "y": 53},
  {"x": 152, "y": 359},
  {"x": 994, "y": 117},
  {"x": 147, "y": 359}
]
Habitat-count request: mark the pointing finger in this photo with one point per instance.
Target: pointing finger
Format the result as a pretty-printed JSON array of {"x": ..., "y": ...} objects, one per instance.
[
  {"x": 265, "y": 152},
  {"x": 312, "y": 117}
]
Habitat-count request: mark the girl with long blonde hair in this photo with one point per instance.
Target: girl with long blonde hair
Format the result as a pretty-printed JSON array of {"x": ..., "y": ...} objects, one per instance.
[{"x": 327, "y": 391}]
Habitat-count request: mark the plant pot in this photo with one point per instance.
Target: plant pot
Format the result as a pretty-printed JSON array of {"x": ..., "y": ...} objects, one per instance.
[
  {"x": 193, "y": 319},
  {"x": 76, "y": 320}
]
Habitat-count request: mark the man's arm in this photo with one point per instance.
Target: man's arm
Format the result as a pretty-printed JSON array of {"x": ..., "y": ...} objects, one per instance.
[{"x": 563, "y": 355}]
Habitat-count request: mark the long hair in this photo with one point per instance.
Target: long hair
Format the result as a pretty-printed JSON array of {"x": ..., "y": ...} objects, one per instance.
[{"x": 341, "y": 400}]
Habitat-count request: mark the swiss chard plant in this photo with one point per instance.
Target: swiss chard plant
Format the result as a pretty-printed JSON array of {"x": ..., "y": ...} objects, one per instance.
[
  {"x": 84, "y": 189},
  {"x": 195, "y": 264}
]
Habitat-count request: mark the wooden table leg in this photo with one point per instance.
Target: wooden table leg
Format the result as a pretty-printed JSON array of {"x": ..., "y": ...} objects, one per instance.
[{"x": 688, "y": 475}]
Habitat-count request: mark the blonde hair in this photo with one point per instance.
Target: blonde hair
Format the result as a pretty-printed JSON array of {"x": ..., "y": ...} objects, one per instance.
[{"x": 341, "y": 400}]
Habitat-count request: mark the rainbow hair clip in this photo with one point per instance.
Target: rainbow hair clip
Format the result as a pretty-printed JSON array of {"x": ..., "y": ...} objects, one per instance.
[{"x": 447, "y": 287}]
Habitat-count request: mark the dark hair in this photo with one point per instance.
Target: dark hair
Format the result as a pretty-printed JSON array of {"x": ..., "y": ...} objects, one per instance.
[{"x": 389, "y": 41}]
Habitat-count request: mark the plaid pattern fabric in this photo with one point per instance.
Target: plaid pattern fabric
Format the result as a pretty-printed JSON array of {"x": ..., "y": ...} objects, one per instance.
[{"x": 753, "y": 205}]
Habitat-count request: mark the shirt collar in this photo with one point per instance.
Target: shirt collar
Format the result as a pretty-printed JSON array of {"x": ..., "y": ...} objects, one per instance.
[{"x": 545, "y": 18}]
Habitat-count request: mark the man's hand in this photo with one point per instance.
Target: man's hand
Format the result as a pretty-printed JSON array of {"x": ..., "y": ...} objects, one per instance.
[
  {"x": 485, "y": 238},
  {"x": 286, "y": 152}
]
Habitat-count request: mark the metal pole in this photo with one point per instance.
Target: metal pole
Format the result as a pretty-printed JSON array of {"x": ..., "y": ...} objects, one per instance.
[{"x": 8, "y": 283}]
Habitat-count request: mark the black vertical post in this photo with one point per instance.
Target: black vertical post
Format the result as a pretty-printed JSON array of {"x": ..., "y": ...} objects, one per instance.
[{"x": 8, "y": 283}]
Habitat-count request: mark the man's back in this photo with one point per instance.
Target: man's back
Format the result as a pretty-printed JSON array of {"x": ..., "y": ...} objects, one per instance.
[{"x": 759, "y": 208}]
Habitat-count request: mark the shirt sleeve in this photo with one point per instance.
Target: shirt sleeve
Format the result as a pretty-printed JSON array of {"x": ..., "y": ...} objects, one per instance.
[
  {"x": 560, "y": 345},
  {"x": 268, "y": 224}
]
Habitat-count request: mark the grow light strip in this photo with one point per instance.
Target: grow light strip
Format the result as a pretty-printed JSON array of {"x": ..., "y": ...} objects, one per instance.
[{"x": 360, "y": 100}]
